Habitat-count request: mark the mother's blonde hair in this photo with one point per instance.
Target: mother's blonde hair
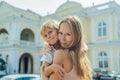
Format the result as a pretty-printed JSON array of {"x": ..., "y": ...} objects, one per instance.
[{"x": 82, "y": 62}]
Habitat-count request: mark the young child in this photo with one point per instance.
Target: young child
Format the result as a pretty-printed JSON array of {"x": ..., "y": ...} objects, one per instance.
[{"x": 49, "y": 33}]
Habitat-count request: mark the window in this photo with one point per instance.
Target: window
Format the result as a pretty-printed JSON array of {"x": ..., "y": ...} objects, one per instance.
[
  {"x": 119, "y": 31},
  {"x": 102, "y": 31},
  {"x": 119, "y": 61},
  {"x": 2, "y": 64},
  {"x": 3, "y": 37},
  {"x": 103, "y": 60}
]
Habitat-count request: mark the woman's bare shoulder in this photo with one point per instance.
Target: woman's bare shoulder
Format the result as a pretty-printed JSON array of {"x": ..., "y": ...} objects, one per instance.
[
  {"x": 58, "y": 53},
  {"x": 59, "y": 56}
]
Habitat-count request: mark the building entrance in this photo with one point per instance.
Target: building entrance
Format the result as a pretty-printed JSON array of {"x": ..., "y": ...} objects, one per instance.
[{"x": 25, "y": 64}]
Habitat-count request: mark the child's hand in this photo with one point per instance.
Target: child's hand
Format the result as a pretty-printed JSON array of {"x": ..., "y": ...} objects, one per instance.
[
  {"x": 58, "y": 70},
  {"x": 46, "y": 49},
  {"x": 84, "y": 49}
]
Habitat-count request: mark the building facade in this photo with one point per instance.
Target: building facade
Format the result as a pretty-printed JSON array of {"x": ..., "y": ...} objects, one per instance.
[
  {"x": 102, "y": 31},
  {"x": 20, "y": 42}
]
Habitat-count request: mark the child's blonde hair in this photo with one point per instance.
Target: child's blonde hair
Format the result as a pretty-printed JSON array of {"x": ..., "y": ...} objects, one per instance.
[{"x": 50, "y": 24}]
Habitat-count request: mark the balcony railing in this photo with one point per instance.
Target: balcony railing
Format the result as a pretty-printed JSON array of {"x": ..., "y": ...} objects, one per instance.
[{"x": 19, "y": 43}]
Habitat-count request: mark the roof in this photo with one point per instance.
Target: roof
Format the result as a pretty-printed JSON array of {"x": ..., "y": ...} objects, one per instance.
[
  {"x": 68, "y": 5},
  {"x": 7, "y": 8}
]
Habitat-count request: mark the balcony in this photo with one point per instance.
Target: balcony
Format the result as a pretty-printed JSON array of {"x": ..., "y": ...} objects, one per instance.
[{"x": 21, "y": 43}]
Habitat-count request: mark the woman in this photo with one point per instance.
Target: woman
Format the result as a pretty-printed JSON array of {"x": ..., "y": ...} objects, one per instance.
[
  {"x": 75, "y": 64},
  {"x": 49, "y": 33}
]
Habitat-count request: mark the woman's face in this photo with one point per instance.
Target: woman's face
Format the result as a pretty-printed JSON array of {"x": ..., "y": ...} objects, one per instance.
[
  {"x": 50, "y": 36},
  {"x": 65, "y": 35}
]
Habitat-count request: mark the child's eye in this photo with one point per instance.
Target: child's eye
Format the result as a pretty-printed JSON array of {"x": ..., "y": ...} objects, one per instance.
[
  {"x": 60, "y": 33},
  {"x": 50, "y": 32},
  {"x": 45, "y": 36}
]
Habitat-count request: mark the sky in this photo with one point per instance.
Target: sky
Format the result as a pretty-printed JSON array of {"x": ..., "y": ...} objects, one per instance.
[{"x": 43, "y": 7}]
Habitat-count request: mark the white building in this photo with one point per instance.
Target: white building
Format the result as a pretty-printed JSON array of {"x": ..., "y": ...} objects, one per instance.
[
  {"x": 19, "y": 39},
  {"x": 20, "y": 43}
]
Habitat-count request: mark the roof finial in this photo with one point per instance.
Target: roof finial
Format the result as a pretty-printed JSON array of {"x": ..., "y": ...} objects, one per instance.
[
  {"x": 93, "y": 4},
  {"x": 112, "y": 0}
]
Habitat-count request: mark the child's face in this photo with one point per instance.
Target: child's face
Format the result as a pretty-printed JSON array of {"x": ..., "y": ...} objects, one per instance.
[{"x": 50, "y": 36}]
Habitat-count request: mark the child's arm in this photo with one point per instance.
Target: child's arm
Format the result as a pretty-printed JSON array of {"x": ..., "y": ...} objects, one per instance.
[
  {"x": 47, "y": 70},
  {"x": 56, "y": 75},
  {"x": 53, "y": 68},
  {"x": 56, "y": 67},
  {"x": 84, "y": 49},
  {"x": 42, "y": 70}
]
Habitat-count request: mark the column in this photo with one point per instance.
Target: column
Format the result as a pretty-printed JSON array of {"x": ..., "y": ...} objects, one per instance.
[
  {"x": 93, "y": 32},
  {"x": 111, "y": 60},
  {"x": 93, "y": 59},
  {"x": 109, "y": 27}
]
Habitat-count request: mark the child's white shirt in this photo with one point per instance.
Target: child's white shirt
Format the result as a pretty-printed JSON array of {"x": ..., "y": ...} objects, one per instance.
[{"x": 48, "y": 57}]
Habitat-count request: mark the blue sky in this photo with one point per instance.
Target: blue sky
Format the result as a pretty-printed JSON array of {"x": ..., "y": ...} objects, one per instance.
[{"x": 42, "y": 7}]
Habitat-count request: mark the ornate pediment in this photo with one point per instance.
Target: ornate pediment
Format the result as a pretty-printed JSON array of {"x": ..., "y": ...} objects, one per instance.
[{"x": 8, "y": 10}]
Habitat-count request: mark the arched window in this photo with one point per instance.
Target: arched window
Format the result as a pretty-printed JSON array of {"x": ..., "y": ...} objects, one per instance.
[
  {"x": 102, "y": 29},
  {"x": 3, "y": 35},
  {"x": 103, "y": 60},
  {"x": 27, "y": 35}
]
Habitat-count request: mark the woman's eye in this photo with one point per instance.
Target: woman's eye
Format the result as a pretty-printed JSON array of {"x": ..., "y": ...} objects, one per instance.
[{"x": 68, "y": 34}]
